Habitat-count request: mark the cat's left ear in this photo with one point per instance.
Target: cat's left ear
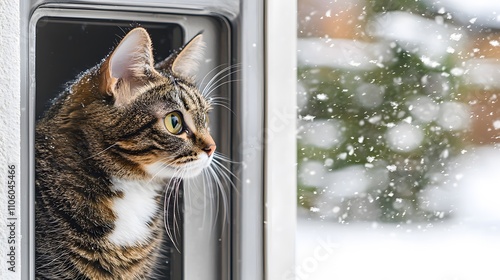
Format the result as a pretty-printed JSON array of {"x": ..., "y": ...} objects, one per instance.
[
  {"x": 186, "y": 61},
  {"x": 128, "y": 67}
]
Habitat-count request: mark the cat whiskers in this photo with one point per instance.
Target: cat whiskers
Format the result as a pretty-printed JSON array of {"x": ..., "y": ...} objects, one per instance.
[
  {"x": 220, "y": 101},
  {"x": 220, "y": 192},
  {"x": 220, "y": 76},
  {"x": 216, "y": 181},
  {"x": 172, "y": 189},
  {"x": 164, "y": 165},
  {"x": 92, "y": 156},
  {"x": 226, "y": 68},
  {"x": 220, "y": 175},
  {"x": 218, "y": 157},
  {"x": 209, "y": 195},
  {"x": 217, "y": 173},
  {"x": 171, "y": 192},
  {"x": 217, "y": 81}
]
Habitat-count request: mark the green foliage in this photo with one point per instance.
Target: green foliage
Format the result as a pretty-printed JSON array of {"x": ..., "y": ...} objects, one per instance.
[
  {"x": 395, "y": 196},
  {"x": 412, "y": 6}
]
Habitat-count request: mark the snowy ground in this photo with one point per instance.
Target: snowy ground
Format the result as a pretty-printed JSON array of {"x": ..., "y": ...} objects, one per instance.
[
  {"x": 374, "y": 251},
  {"x": 466, "y": 247}
]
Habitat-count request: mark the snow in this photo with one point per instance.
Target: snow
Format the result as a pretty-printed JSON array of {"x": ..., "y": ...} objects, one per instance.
[
  {"x": 312, "y": 173},
  {"x": 374, "y": 251},
  {"x": 461, "y": 239},
  {"x": 369, "y": 95},
  {"x": 483, "y": 72},
  {"x": 480, "y": 12},
  {"x": 465, "y": 246},
  {"x": 479, "y": 185},
  {"x": 321, "y": 133},
  {"x": 407, "y": 29},
  {"x": 496, "y": 124},
  {"x": 454, "y": 116},
  {"x": 348, "y": 181},
  {"x": 423, "y": 108},
  {"x": 341, "y": 53},
  {"x": 404, "y": 137}
]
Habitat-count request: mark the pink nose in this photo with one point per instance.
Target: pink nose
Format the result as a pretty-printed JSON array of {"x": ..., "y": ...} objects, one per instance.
[{"x": 210, "y": 149}]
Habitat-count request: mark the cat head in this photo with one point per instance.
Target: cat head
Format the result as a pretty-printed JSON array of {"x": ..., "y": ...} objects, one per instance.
[{"x": 144, "y": 120}]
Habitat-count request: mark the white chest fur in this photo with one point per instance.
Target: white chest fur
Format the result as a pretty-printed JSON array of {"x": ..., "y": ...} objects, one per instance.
[{"x": 134, "y": 210}]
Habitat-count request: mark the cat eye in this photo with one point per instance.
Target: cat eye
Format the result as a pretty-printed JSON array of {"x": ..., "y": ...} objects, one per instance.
[{"x": 173, "y": 123}]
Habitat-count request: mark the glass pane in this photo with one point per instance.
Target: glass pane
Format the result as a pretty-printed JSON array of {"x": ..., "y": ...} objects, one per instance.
[{"x": 398, "y": 139}]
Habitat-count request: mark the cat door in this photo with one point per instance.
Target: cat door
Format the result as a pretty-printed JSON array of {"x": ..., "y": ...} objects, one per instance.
[
  {"x": 67, "y": 42},
  {"x": 66, "y": 47}
]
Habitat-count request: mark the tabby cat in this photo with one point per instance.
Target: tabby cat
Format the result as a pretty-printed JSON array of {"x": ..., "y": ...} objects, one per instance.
[{"x": 104, "y": 152}]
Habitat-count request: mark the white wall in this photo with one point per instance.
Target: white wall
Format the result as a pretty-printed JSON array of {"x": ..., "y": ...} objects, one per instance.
[{"x": 10, "y": 94}]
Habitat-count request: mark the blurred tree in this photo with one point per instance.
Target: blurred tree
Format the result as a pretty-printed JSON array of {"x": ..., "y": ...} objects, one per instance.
[{"x": 391, "y": 121}]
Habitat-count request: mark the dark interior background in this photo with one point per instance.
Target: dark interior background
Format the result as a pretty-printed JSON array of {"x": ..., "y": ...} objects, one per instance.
[{"x": 65, "y": 47}]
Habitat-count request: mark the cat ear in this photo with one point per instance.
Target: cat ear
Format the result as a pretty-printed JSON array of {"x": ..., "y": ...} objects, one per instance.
[
  {"x": 186, "y": 61},
  {"x": 126, "y": 69}
]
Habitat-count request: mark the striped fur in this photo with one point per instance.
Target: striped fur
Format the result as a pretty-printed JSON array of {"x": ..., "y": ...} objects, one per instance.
[{"x": 103, "y": 149}]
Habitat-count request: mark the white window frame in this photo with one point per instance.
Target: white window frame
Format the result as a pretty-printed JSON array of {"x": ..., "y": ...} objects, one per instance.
[{"x": 263, "y": 216}]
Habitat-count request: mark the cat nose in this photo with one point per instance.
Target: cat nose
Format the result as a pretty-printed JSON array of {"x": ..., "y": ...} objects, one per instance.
[{"x": 210, "y": 149}]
